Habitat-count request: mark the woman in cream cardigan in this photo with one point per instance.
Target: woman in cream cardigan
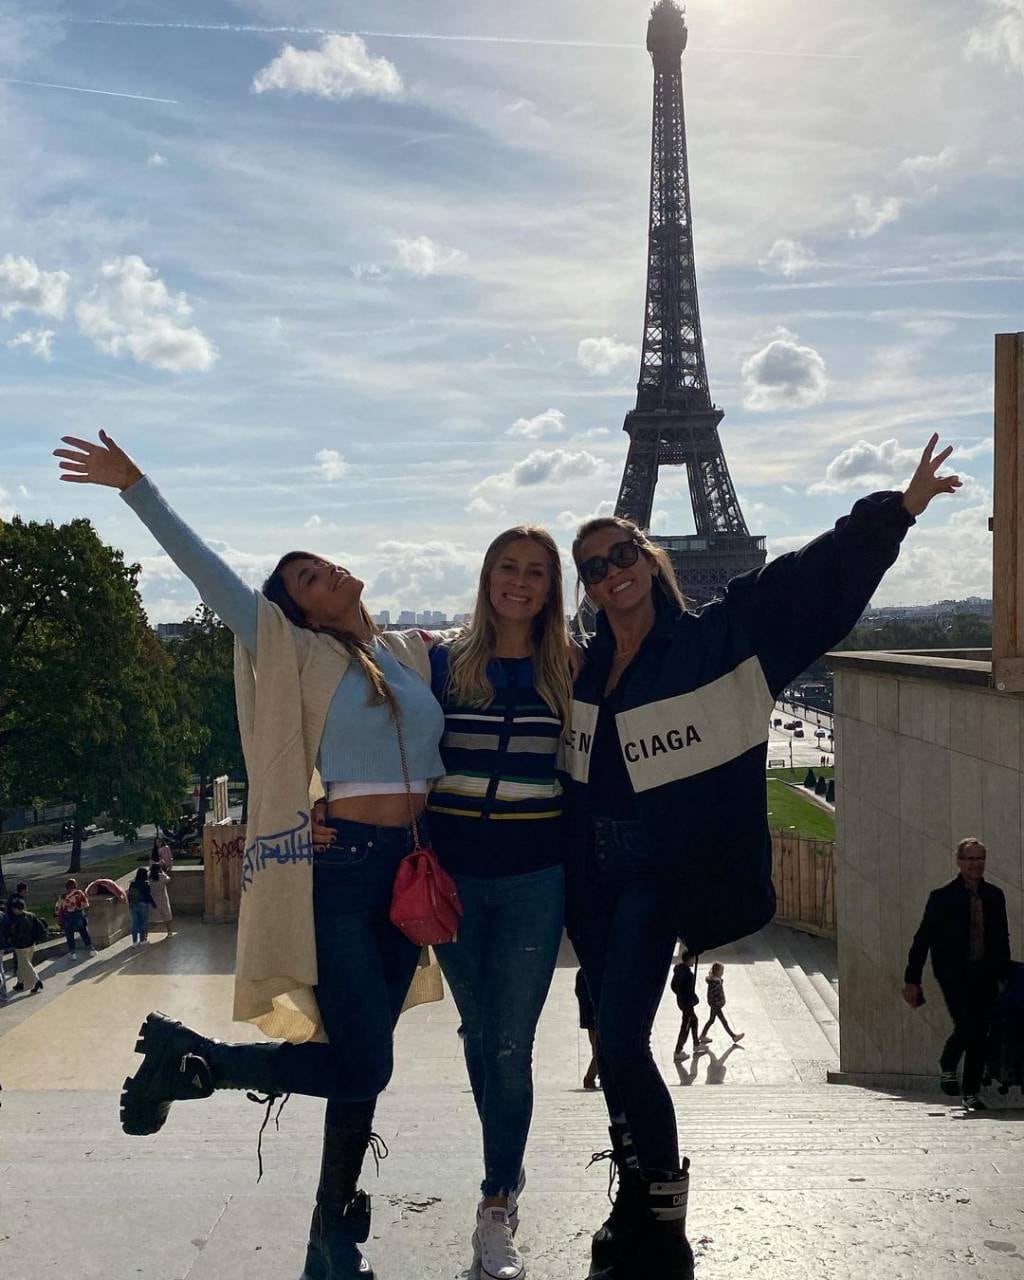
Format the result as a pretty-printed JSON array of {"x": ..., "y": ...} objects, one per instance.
[{"x": 319, "y": 965}]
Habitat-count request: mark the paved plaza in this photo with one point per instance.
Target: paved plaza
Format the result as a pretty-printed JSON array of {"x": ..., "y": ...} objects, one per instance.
[{"x": 792, "y": 1177}]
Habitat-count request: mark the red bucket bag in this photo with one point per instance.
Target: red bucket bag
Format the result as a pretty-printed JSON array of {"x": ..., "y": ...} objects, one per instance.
[{"x": 424, "y": 902}]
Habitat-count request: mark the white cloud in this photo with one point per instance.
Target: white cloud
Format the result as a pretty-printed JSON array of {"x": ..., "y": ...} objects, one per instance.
[
  {"x": 784, "y": 374},
  {"x": 38, "y": 341},
  {"x": 481, "y": 507},
  {"x": 917, "y": 166},
  {"x": 873, "y": 217},
  {"x": 332, "y": 465},
  {"x": 314, "y": 522},
  {"x": 543, "y": 466},
  {"x": 24, "y": 287},
  {"x": 788, "y": 257},
  {"x": 595, "y": 433},
  {"x": 865, "y": 466},
  {"x": 156, "y": 161},
  {"x": 549, "y": 423},
  {"x": 570, "y": 520},
  {"x": 415, "y": 574},
  {"x": 1000, "y": 39},
  {"x": 372, "y": 272},
  {"x": 601, "y": 356},
  {"x": 424, "y": 257},
  {"x": 129, "y": 311},
  {"x": 340, "y": 68},
  {"x": 6, "y": 504},
  {"x": 973, "y": 451}
]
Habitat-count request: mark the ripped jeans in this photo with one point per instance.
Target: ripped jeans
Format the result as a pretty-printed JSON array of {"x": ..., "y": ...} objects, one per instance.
[{"x": 499, "y": 970}]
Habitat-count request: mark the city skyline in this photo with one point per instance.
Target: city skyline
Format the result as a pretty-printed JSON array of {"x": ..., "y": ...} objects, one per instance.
[{"x": 382, "y": 297}]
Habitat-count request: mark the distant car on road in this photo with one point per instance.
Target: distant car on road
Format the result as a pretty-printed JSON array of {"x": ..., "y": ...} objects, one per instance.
[
  {"x": 820, "y": 733},
  {"x": 777, "y": 722},
  {"x": 798, "y": 733},
  {"x": 793, "y": 724}
]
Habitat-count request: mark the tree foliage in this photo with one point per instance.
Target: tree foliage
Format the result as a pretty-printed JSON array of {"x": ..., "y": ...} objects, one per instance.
[
  {"x": 89, "y": 706},
  {"x": 204, "y": 665}
]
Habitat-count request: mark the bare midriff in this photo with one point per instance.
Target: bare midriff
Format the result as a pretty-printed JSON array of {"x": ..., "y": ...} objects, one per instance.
[{"x": 377, "y": 811}]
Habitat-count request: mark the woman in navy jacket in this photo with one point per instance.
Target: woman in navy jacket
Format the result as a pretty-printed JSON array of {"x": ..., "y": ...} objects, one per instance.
[{"x": 665, "y": 799}]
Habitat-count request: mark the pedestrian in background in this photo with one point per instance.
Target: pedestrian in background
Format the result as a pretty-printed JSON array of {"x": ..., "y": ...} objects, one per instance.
[
  {"x": 70, "y": 911},
  {"x": 141, "y": 903},
  {"x": 716, "y": 1003},
  {"x": 158, "y": 882},
  {"x": 26, "y": 931},
  {"x": 965, "y": 929},
  {"x": 684, "y": 988}
]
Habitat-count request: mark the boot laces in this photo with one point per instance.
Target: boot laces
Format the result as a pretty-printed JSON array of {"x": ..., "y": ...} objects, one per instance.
[
  {"x": 378, "y": 1148},
  {"x": 613, "y": 1167},
  {"x": 268, "y": 1102}
]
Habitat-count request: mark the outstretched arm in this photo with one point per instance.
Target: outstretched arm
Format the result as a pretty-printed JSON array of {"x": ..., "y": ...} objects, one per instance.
[
  {"x": 802, "y": 604},
  {"x": 105, "y": 463}
]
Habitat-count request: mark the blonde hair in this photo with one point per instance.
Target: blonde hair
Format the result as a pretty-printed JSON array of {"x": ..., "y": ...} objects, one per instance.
[
  {"x": 717, "y": 969},
  {"x": 468, "y": 681},
  {"x": 665, "y": 574}
]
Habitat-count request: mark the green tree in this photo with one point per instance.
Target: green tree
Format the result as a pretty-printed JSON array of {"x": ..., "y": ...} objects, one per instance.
[
  {"x": 204, "y": 663},
  {"x": 89, "y": 703}
]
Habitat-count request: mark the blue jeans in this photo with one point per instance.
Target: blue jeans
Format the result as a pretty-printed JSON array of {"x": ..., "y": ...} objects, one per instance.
[
  {"x": 499, "y": 969},
  {"x": 74, "y": 922},
  {"x": 365, "y": 966},
  {"x": 140, "y": 922},
  {"x": 624, "y": 934}
]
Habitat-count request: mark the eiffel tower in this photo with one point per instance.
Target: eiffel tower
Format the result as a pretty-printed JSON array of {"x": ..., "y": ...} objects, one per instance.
[{"x": 675, "y": 422}]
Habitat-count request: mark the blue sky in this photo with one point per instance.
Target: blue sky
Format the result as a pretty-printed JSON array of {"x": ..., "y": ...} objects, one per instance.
[{"x": 381, "y": 296}]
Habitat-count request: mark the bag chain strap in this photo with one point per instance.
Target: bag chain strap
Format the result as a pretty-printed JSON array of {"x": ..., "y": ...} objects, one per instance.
[{"x": 408, "y": 786}]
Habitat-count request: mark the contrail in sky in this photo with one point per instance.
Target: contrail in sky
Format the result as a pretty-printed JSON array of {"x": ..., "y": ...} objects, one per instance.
[
  {"x": 426, "y": 35},
  {"x": 77, "y": 88}
]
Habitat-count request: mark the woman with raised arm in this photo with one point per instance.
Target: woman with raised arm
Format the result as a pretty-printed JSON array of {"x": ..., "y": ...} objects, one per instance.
[
  {"x": 495, "y": 820},
  {"x": 319, "y": 965},
  {"x": 666, "y": 804}
]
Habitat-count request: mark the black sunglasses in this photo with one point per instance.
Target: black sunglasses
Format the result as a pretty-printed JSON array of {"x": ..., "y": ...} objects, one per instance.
[{"x": 623, "y": 555}]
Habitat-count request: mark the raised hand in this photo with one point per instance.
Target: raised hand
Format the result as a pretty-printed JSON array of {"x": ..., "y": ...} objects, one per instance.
[
  {"x": 89, "y": 463},
  {"x": 927, "y": 483}
]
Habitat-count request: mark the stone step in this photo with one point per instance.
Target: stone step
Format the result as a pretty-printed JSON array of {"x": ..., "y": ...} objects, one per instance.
[{"x": 813, "y": 987}]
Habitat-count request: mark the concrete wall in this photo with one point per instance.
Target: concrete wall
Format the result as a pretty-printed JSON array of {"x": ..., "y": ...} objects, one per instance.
[{"x": 926, "y": 753}]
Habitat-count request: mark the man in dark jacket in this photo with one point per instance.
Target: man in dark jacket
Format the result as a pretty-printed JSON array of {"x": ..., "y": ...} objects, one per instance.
[{"x": 964, "y": 927}]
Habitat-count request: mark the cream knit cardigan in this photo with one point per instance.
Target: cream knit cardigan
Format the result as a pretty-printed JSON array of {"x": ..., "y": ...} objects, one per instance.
[{"x": 283, "y": 696}]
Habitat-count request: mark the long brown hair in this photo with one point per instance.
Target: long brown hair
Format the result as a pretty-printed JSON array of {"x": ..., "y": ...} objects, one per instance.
[
  {"x": 381, "y": 693},
  {"x": 665, "y": 580},
  {"x": 468, "y": 680}
]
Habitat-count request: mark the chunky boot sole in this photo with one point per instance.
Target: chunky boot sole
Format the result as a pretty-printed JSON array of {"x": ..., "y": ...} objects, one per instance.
[{"x": 172, "y": 1071}]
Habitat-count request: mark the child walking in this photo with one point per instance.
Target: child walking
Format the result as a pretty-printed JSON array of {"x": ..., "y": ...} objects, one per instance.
[
  {"x": 716, "y": 1003},
  {"x": 684, "y": 987}
]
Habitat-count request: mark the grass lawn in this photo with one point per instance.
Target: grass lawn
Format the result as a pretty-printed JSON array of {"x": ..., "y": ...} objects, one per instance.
[
  {"x": 787, "y": 808},
  {"x": 798, "y": 775}
]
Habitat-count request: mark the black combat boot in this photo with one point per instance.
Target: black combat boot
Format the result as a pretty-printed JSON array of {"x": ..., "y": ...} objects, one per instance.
[
  {"x": 179, "y": 1064},
  {"x": 657, "y": 1245},
  {"x": 627, "y": 1203},
  {"x": 341, "y": 1218}
]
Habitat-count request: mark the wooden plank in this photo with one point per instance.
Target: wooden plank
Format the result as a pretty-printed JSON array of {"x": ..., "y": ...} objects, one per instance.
[{"x": 1008, "y": 523}]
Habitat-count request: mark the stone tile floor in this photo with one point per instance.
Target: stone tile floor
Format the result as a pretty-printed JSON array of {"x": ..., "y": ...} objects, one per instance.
[{"x": 792, "y": 1178}]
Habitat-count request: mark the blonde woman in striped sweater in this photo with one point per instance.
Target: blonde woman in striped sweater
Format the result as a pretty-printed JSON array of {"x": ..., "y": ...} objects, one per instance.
[{"x": 495, "y": 820}]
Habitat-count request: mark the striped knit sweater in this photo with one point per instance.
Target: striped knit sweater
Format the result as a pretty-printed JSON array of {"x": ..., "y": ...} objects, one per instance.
[{"x": 497, "y": 811}]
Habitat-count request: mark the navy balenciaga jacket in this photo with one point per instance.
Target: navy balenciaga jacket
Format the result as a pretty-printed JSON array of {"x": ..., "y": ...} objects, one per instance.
[{"x": 693, "y": 721}]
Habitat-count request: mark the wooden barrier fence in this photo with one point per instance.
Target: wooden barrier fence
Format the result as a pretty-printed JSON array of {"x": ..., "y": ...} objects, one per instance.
[
  {"x": 804, "y": 874},
  {"x": 223, "y": 851}
]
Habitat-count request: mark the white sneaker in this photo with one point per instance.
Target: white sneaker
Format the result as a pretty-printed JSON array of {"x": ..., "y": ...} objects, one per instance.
[{"x": 494, "y": 1249}]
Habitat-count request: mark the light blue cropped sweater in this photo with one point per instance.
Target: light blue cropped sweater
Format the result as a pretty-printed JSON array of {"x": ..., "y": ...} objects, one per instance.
[{"x": 359, "y": 742}]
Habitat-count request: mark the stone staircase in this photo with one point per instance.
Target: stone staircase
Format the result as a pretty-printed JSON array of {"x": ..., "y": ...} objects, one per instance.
[{"x": 791, "y": 1178}]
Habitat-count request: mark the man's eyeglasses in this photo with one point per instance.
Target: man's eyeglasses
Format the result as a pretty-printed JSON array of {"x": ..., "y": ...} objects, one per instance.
[{"x": 623, "y": 555}]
